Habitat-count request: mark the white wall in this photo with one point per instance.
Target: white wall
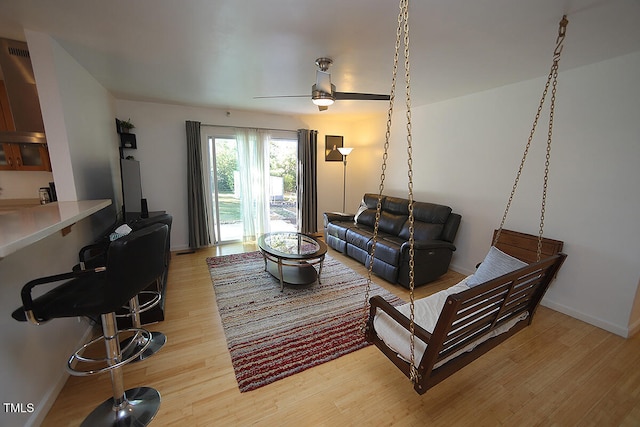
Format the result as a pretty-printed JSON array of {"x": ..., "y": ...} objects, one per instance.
[
  {"x": 33, "y": 358},
  {"x": 23, "y": 184},
  {"x": 79, "y": 123},
  {"x": 162, "y": 151},
  {"x": 365, "y": 134},
  {"x": 466, "y": 154}
]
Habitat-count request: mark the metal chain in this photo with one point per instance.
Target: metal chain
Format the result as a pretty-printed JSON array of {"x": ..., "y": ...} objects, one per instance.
[
  {"x": 413, "y": 372},
  {"x": 552, "y": 80},
  {"x": 403, "y": 28},
  {"x": 385, "y": 156}
]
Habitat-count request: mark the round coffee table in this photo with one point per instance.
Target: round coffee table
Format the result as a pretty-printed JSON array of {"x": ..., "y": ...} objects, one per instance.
[{"x": 290, "y": 257}]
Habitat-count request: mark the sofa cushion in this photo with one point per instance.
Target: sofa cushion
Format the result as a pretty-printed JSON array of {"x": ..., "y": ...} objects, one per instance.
[
  {"x": 338, "y": 228},
  {"x": 421, "y": 231},
  {"x": 391, "y": 223},
  {"x": 396, "y": 206},
  {"x": 359, "y": 237},
  {"x": 429, "y": 220},
  {"x": 388, "y": 251},
  {"x": 431, "y": 213},
  {"x": 367, "y": 217}
]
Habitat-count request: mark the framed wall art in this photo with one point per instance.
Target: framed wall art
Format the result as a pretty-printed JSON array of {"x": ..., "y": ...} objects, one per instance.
[{"x": 331, "y": 145}]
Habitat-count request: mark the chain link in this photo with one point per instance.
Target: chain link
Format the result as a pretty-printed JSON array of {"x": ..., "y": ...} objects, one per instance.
[
  {"x": 552, "y": 80},
  {"x": 385, "y": 156},
  {"x": 402, "y": 30}
]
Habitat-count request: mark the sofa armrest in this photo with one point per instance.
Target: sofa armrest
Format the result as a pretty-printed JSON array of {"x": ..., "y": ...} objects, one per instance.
[
  {"x": 428, "y": 245},
  {"x": 336, "y": 216}
]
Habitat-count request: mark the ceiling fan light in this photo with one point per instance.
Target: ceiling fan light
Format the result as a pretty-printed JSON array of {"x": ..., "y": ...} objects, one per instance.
[
  {"x": 323, "y": 102},
  {"x": 320, "y": 98}
]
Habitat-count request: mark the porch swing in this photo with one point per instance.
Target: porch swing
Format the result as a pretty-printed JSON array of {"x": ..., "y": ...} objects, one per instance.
[{"x": 434, "y": 337}]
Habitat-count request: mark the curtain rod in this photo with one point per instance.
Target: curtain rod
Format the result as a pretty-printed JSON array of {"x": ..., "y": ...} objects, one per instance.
[{"x": 247, "y": 127}]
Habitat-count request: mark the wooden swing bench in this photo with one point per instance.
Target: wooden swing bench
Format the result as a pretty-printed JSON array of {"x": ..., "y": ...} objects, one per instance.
[{"x": 474, "y": 320}]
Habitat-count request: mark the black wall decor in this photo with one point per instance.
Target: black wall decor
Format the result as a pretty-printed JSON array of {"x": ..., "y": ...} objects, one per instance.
[{"x": 331, "y": 144}]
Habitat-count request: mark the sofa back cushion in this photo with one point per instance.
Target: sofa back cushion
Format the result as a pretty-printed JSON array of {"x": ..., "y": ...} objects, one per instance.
[
  {"x": 391, "y": 223},
  {"x": 393, "y": 216},
  {"x": 366, "y": 214},
  {"x": 429, "y": 220}
]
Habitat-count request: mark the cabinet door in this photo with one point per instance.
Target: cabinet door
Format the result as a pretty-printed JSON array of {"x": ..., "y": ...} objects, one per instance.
[
  {"x": 6, "y": 119},
  {"x": 24, "y": 157},
  {"x": 6, "y": 159},
  {"x": 32, "y": 157}
]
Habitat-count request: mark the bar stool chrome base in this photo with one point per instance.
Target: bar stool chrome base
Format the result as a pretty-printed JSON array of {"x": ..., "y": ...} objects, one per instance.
[
  {"x": 152, "y": 344},
  {"x": 157, "y": 340},
  {"x": 140, "y": 406}
]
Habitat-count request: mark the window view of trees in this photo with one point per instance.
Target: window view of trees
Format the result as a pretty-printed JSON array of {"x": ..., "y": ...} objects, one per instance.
[
  {"x": 226, "y": 164},
  {"x": 283, "y": 163}
]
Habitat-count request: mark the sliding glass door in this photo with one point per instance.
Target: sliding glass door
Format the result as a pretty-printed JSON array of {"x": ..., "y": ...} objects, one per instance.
[
  {"x": 253, "y": 190},
  {"x": 223, "y": 154},
  {"x": 283, "y": 198}
]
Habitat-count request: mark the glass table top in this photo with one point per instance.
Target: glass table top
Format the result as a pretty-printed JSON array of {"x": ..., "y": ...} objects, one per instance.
[{"x": 290, "y": 244}]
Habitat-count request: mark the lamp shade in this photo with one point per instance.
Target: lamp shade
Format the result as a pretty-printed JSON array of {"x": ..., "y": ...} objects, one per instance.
[{"x": 345, "y": 151}]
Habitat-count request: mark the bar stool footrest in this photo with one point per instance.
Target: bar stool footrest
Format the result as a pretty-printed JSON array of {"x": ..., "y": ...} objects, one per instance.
[{"x": 77, "y": 358}]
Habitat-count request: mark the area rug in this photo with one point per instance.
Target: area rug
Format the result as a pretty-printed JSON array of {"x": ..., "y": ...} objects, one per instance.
[{"x": 273, "y": 334}]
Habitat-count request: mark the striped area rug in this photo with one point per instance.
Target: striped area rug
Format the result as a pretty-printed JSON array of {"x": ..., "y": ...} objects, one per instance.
[{"x": 272, "y": 334}]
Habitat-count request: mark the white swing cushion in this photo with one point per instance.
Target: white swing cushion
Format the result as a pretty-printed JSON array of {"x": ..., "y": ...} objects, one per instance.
[
  {"x": 426, "y": 313},
  {"x": 495, "y": 264}
]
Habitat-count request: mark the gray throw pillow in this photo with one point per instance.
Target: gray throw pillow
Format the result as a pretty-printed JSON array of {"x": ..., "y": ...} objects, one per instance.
[{"x": 495, "y": 264}]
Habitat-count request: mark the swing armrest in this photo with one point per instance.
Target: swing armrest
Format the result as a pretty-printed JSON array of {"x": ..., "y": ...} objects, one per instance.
[{"x": 377, "y": 302}]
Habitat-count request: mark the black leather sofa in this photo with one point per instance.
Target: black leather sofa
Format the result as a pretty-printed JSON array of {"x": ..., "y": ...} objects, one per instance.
[{"x": 435, "y": 228}]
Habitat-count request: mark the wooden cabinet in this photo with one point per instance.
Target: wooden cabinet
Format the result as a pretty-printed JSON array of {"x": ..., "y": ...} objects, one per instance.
[
  {"x": 24, "y": 157},
  {"x": 6, "y": 120}
]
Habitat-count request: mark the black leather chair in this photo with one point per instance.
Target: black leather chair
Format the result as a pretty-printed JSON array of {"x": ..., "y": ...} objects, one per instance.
[
  {"x": 94, "y": 255},
  {"x": 151, "y": 295},
  {"x": 132, "y": 262}
]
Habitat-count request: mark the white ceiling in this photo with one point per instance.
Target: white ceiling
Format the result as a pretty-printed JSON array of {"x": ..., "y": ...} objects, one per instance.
[{"x": 223, "y": 53}]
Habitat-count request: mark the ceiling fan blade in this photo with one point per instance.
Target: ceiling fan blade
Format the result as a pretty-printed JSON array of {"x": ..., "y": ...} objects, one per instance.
[
  {"x": 361, "y": 96},
  {"x": 323, "y": 81}
]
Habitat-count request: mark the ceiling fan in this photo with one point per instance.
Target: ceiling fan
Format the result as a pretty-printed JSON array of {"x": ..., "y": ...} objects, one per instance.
[{"x": 323, "y": 92}]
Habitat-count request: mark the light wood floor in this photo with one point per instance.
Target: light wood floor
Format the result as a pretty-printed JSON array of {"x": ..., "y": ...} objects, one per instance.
[{"x": 560, "y": 371}]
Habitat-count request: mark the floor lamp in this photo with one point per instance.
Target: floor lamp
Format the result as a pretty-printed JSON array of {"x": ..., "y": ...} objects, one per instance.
[{"x": 345, "y": 152}]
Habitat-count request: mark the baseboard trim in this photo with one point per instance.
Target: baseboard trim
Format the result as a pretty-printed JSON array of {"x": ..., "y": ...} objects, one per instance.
[{"x": 602, "y": 324}]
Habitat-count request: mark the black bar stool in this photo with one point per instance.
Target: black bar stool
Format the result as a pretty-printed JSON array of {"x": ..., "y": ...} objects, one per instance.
[
  {"x": 132, "y": 263},
  {"x": 94, "y": 255},
  {"x": 151, "y": 297}
]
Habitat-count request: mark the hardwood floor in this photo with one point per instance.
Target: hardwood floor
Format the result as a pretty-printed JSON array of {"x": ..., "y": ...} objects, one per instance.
[{"x": 560, "y": 371}]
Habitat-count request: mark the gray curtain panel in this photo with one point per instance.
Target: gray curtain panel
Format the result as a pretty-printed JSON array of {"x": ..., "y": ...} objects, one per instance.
[
  {"x": 198, "y": 221},
  {"x": 307, "y": 181}
]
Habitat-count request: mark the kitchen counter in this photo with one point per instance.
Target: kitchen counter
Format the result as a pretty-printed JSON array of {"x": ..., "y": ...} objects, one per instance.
[{"x": 22, "y": 224}]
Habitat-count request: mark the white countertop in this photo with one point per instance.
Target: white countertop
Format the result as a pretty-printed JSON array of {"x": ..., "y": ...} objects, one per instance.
[{"x": 24, "y": 226}]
